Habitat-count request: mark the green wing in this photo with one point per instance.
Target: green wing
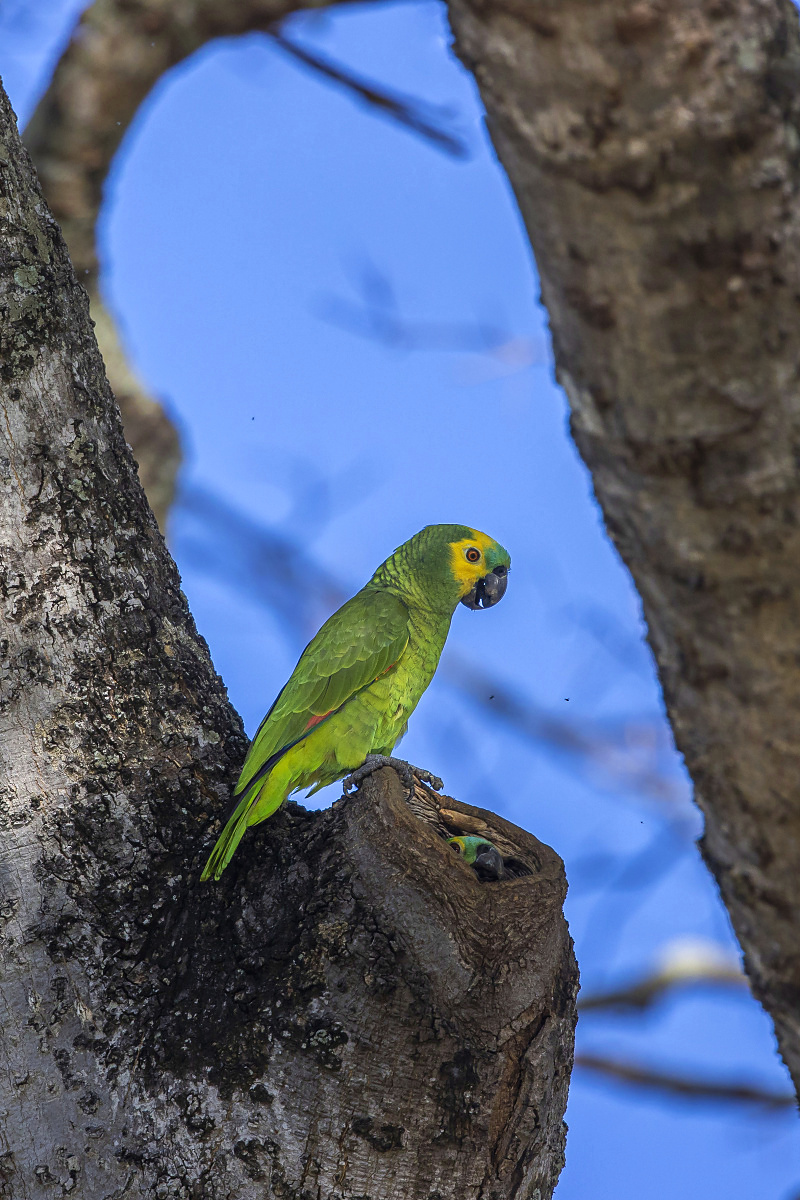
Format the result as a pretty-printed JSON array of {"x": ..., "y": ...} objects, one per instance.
[{"x": 364, "y": 638}]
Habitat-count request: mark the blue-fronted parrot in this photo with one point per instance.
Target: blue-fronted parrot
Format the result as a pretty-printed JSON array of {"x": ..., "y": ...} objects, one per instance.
[
  {"x": 349, "y": 698},
  {"x": 485, "y": 859}
]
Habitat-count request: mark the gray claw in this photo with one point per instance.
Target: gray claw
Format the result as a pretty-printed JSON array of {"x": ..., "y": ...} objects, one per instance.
[
  {"x": 426, "y": 777},
  {"x": 407, "y": 773},
  {"x": 372, "y": 763}
]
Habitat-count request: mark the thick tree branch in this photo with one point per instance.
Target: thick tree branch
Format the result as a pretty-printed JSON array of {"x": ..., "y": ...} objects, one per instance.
[
  {"x": 351, "y": 1006},
  {"x": 119, "y": 50},
  {"x": 654, "y": 152}
]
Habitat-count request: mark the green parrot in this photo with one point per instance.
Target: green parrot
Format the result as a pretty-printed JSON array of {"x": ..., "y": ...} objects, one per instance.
[
  {"x": 349, "y": 698},
  {"x": 485, "y": 859}
]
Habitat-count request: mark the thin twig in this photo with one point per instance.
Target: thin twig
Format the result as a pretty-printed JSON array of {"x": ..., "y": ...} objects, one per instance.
[
  {"x": 645, "y": 993},
  {"x": 403, "y": 109},
  {"x": 684, "y": 1085}
]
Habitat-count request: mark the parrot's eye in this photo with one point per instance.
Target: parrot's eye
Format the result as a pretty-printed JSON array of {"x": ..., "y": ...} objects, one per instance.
[{"x": 473, "y": 554}]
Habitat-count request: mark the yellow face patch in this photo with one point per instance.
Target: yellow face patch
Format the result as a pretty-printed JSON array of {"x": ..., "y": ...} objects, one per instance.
[{"x": 468, "y": 573}]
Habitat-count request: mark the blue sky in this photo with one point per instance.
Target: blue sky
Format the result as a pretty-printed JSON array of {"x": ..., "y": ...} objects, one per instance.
[{"x": 250, "y": 203}]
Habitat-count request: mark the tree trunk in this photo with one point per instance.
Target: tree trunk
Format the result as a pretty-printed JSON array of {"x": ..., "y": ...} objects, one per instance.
[
  {"x": 654, "y": 153},
  {"x": 350, "y": 1012}
]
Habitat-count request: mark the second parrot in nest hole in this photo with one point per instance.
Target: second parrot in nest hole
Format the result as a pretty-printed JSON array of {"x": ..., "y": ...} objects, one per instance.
[
  {"x": 349, "y": 698},
  {"x": 484, "y": 858}
]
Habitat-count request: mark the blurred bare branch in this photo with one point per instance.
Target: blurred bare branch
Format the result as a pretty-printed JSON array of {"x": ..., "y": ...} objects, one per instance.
[
  {"x": 376, "y": 315},
  {"x": 626, "y": 753},
  {"x": 150, "y": 430},
  {"x": 409, "y": 111},
  {"x": 608, "y": 631},
  {"x": 692, "y": 1088},
  {"x": 402, "y": 333},
  {"x": 263, "y": 564},
  {"x": 688, "y": 963}
]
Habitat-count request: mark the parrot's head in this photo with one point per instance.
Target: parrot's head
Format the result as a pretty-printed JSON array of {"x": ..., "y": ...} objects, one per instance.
[
  {"x": 444, "y": 564},
  {"x": 480, "y": 854},
  {"x": 480, "y": 565}
]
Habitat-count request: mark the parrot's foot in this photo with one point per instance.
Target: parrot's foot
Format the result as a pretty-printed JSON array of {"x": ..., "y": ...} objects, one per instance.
[{"x": 408, "y": 773}]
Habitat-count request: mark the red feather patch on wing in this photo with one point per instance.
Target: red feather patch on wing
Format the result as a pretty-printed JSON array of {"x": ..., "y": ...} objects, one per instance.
[{"x": 321, "y": 717}]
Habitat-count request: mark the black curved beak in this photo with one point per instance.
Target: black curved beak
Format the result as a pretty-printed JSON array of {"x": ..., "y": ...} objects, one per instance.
[
  {"x": 489, "y": 863},
  {"x": 489, "y": 590}
]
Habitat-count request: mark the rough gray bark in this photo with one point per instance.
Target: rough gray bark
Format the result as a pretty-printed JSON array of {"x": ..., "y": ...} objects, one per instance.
[
  {"x": 653, "y": 149},
  {"x": 350, "y": 1013}
]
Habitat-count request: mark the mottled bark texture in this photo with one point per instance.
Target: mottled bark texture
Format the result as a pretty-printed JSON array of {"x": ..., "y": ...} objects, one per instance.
[
  {"x": 119, "y": 50},
  {"x": 653, "y": 149},
  {"x": 350, "y": 1013}
]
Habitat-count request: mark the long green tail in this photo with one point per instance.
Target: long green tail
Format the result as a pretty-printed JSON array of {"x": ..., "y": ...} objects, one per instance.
[
  {"x": 255, "y": 806},
  {"x": 228, "y": 840}
]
